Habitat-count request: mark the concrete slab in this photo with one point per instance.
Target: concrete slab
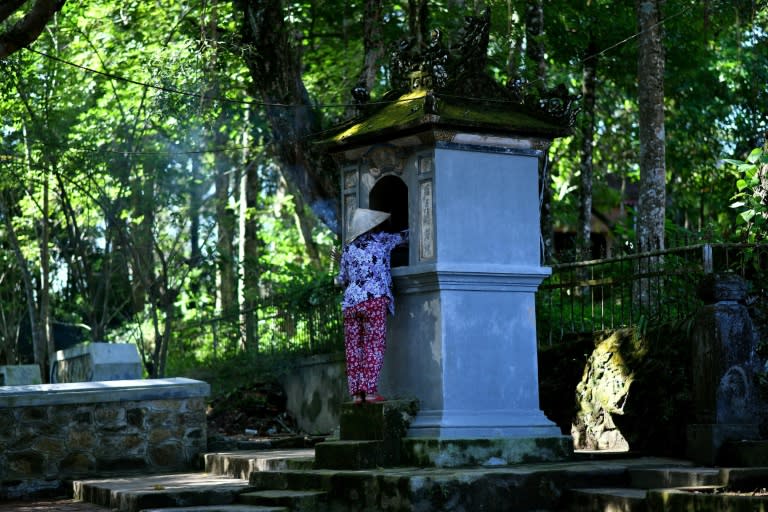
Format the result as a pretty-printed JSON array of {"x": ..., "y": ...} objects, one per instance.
[
  {"x": 133, "y": 494},
  {"x": 240, "y": 464},
  {"x": 610, "y": 499},
  {"x": 296, "y": 501},
  {"x": 704, "y": 499},
  {"x": 106, "y": 391},
  {"x": 97, "y": 361},
  {"x": 20, "y": 375},
  {"x": 656, "y": 478}
]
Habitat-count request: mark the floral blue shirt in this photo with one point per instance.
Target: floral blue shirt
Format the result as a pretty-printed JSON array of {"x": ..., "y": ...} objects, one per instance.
[{"x": 365, "y": 268}]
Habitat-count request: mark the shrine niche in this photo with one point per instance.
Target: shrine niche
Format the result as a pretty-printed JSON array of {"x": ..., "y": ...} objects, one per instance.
[{"x": 390, "y": 194}]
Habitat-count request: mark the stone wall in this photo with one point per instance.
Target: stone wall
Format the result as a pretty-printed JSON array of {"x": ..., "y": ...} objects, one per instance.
[
  {"x": 53, "y": 433},
  {"x": 315, "y": 389}
]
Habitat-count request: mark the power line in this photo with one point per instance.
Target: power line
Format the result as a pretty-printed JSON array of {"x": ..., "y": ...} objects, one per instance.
[
  {"x": 224, "y": 99},
  {"x": 637, "y": 34},
  {"x": 174, "y": 90}
]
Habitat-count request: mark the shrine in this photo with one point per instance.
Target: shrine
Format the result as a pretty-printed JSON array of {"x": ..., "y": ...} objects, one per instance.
[{"x": 455, "y": 158}]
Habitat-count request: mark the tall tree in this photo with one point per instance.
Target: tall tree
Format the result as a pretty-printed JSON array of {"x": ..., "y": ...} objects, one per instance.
[
  {"x": 373, "y": 46},
  {"x": 271, "y": 54},
  {"x": 587, "y": 134},
  {"x": 534, "y": 32},
  {"x": 650, "y": 86},
  {"x": 25, "y": 30},
  {"x": 537, "y": 73}
]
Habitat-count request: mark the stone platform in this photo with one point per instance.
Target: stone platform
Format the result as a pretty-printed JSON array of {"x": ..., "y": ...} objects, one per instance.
[
  {"x": 578, "y": 485},
  {"x": 53, "y": 433},
  {"x": 371, "y": 468}
]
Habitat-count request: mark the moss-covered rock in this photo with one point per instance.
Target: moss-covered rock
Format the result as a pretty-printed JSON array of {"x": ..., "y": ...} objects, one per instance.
[
  {"x": 621, "y": 389},
  {"x": 603, "y": 391}
]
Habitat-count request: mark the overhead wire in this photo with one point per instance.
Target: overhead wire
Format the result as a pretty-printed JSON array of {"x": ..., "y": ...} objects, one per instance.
[{"x": 224, "y": 99}]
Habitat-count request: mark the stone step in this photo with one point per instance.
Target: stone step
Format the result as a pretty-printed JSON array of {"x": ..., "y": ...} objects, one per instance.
[
  {"x": 351, "y": 455},
  {"x": 240, "y": 464},
  {"x": 133, "y": 494},
  {"x": 658, "y": 478},
  {"x": 377, "y": 421},
  {"x": 293, "y": 479},
  {"x": 705, "y": 498},
  {"x": 746, "y": 454},
  {"x": 295, "y": 501},
  {"x": 220, "y": 508},
  {"x": 613, "y": 499},
  {"x": 385, "y": 422},
  {"x": 746, "y": 479}
]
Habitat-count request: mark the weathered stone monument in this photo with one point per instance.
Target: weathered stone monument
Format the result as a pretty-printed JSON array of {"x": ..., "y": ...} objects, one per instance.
[
  {"x": 455, "y": 158},
  {"x": 96, "y": 361},
  {"x": 726, "y": 401},
  {"x": 20, "y": 375}
]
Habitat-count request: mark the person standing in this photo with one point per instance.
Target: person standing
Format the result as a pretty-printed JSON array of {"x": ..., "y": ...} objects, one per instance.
[{"x": 365, "y": 274}]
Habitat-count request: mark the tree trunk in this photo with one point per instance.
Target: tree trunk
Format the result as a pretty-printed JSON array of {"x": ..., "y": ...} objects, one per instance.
[
  {"x": 195, "y": 205},
  {"x": 249, "y": 275},
  {"x": 418, "y": 21},
  {"x": 587, "y": 129},
  {"x": 515, "y": 45},
  {"x": 226, "y": 296},
  {"x": 372, "y": 43},
  {"x": 141, "y": 241},
  {"x": 534, "y": 48},
  {"x": 28, "y": 28},
  {"x": 650, "y": 79},
  {"x": 534, "y": 36},
  {"x": 273, "y": 61},
  {"x": 38, "y": 347},
  {"x": 304, "y": 221},
  {"x": 46, "y": 338}
]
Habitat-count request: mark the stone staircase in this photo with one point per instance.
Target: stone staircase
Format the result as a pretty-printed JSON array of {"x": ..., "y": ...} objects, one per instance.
[
  {"x": 364, "y": 470},
  {"x": 633, "y": 497}
]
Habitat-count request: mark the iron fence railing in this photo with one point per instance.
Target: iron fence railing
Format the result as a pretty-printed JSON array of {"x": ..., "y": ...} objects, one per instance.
[
  {"x": 631, "y": 290},
  {"x": 580, "y": 297},
  {"x": 284, "y": 325}
]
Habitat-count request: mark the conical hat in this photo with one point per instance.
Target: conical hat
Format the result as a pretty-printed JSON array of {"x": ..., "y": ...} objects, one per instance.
[{"x": 364, "y": 220}]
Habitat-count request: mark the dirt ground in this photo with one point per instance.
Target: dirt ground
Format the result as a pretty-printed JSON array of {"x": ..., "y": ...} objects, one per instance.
[{"x": 253, "y": 411}]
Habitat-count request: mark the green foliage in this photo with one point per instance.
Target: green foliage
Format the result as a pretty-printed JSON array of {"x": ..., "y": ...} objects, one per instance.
[
  {"x": 751, "y": 198},
  {"x": 138, "y": 120}
]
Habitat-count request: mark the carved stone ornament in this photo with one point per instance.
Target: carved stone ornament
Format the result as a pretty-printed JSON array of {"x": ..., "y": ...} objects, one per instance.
[
  {"x": 384, "y": 158},
  {"x": 460, "y": 70}
]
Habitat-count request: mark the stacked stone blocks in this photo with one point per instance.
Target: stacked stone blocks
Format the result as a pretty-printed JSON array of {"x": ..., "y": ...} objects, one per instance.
[{"x": 92, "y": 431}]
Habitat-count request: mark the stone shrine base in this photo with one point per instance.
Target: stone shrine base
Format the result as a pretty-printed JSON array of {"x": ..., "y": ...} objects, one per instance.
[
  {"x": 451, "y": 453},
  {"x": 375, "y": 435},
  {"x": 705, "y": 441}
]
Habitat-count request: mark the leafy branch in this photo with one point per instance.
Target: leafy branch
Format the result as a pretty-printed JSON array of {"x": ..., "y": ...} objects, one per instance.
[{"x": 752, "y": 196}]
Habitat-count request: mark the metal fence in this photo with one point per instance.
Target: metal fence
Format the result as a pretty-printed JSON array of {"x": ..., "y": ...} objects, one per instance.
[
  {"x": 637, "y": 289},
  {"x": 579, "y": 297},
  {"x": 276, "y": 325}
]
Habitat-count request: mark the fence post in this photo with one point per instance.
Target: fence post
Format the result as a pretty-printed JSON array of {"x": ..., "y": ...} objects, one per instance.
[{"x": 706, "y": 255}]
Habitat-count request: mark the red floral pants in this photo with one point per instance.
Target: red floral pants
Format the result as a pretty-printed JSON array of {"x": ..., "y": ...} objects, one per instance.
[{"x": 365, "y": 338}]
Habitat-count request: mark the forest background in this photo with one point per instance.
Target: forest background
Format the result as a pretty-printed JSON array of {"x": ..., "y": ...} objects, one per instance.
[{"x": 158, "y": 178}]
